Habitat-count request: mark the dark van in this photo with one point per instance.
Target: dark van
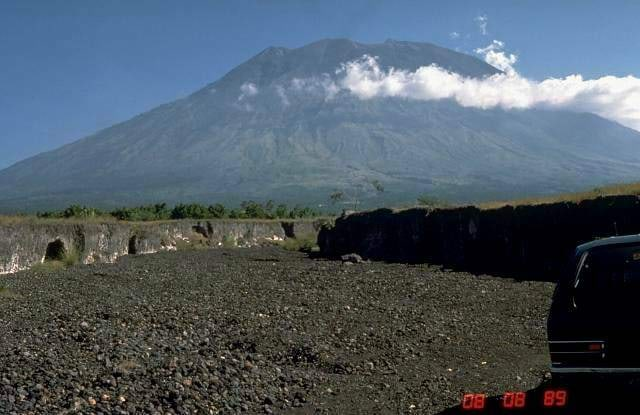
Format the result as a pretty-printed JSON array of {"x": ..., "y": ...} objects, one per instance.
[{"x": 594, "y": 322}]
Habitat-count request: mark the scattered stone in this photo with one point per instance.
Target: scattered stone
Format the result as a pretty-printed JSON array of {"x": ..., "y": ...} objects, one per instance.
[
  {"x": 262, "y": 331},
  {"x": 352, "y": 258}
]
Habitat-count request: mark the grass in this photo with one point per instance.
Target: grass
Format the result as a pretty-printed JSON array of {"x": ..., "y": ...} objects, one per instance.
[
  {"x": 613, "y": 190},
  {"x": 624, "y": 189},
  {"x": 6, "y": 292},
  {"x": 228, "y": 242},
  {"x": 66, "y": 260},
  {"x": 194, "y": 243},
  {"x": 302, "y": 244},
  {"x": 182, "y": 245},
  {"x": 70, "y": 258},
  {"x": 32, "y": 219},
  {"x": 48, "y": 266}
]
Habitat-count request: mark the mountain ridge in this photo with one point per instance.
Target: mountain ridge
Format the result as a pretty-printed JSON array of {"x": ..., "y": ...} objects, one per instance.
[{"x": 267, "y": 129}]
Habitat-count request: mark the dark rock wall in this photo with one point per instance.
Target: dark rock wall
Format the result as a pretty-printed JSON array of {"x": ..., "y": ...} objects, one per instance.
[
  {"x": 532, "y": 242},
  {"x": 23, "y": 245}
]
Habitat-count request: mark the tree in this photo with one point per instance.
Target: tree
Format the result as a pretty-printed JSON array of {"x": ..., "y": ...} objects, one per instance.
[
  {"x": 377, "y": 185},
  {"x": 253, "y": 209},
  {"x": 217, "y": 211},
  {"x": 357, "y": 192},
  {"x": 430, "y": 201},
  {"x": 282, "y": 211},
  {"x": 336, "y": 197},
  {"x": 360, "y": 189},
  {"x": 302, "y": 212},
  {"x": 268, "y": 207},
  {"x": 77, "y": 211},
  {"x": 190, "y": 211}
]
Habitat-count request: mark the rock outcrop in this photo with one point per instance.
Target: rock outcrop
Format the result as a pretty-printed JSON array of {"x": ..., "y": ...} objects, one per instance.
[
  {"x": 532, "y": 242},
  {"x": 24, "y": 244}
]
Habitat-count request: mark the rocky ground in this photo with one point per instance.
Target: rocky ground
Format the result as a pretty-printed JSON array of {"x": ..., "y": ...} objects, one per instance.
[{"x": 263, "y": 331}]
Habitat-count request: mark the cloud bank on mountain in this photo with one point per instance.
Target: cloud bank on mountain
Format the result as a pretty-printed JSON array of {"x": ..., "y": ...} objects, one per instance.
[{"x": 615, "y": 98}]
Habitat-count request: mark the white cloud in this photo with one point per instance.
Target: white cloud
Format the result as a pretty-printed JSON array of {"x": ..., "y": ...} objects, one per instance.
[
  {"x": 247, "y": 89},
  {"x": 495, "y": 56},
  {"x": 616, "y": 98},
  {"x": 482, "y": 21},
  {"x": 322, "y": 85},
  {"x": 454, "y": 35},
  {"x": 282, "y": 93}
]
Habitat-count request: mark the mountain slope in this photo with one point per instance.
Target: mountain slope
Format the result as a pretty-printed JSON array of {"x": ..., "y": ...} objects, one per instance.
[{"x": 275, "y": 128}]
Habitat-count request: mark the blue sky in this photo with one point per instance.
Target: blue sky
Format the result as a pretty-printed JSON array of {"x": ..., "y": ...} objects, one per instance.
[{"x": 72, "y": 67}]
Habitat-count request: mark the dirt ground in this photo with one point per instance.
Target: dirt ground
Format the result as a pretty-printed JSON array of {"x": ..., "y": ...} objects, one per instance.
[{"x": 263, "y": 330}]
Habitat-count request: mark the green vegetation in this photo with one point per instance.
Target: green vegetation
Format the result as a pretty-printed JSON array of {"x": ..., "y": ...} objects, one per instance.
[
  {"x": 74, "y": 211},
  {"x": 160, "y": 211},
  {"x": 182, "y": 245},
  {"x": 355, "y": 194},
  {"x": 59, "y": 260},
  {"x": 228, "y": 242},
  {"x": 336, "y": 197},
  {"x": 6, "y": 292},
  {"x": 432, "y": 202},
  {"x": 302, "y": 244},
  {"x": 194, "y": 243},
  {"x": 48, "y": 266},
  {"x": 613, "y": 190},
  {"x": 70, "y": 258},
  {"x": 624, "y": 189},
  {"x": 269, "y": 210}
]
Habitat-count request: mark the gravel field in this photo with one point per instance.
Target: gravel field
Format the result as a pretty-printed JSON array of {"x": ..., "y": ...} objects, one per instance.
[{"x": 263, "y": 330}]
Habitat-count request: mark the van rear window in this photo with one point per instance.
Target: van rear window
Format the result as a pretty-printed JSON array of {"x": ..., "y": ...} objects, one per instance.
[{"x": 608, "y": 274}]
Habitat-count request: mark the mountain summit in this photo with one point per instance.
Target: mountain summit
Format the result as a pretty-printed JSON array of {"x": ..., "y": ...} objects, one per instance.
[{"x": 279, "y": 127}]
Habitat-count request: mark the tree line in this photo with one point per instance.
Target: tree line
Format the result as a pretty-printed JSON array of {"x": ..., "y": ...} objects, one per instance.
[{"x": 161, "y": 211}]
